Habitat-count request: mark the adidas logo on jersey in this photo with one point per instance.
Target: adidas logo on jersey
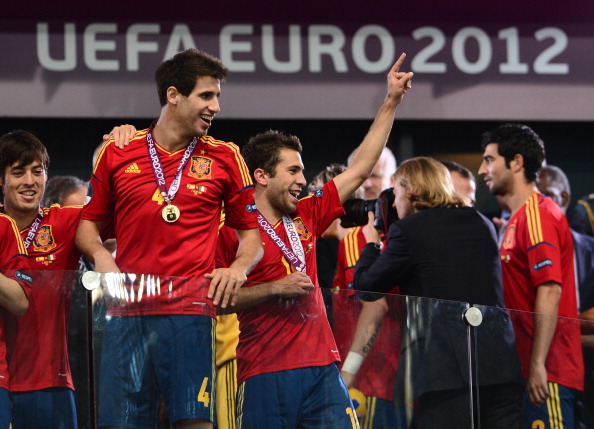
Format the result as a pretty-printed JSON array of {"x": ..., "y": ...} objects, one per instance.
[{"x": 132, "y": 169}]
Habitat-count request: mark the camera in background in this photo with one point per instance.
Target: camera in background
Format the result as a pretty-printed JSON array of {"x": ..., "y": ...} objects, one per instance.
[{"x": 383, "y": 207}]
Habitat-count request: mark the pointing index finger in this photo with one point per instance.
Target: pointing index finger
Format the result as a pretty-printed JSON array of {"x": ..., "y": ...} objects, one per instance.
[{"x": 398, "y": 63}]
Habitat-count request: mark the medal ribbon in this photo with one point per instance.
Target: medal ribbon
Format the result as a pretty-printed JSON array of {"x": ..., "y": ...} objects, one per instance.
[
  {"x": 158, "y": 168},
  {"x": 32, "y": 232},
  {"x": 295, "y": 255}
]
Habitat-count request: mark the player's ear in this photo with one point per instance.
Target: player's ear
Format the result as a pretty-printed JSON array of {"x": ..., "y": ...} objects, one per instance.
[
  {"x": 517, "y": 163},
  {"x": 261, "y": 177},
  {"x": 172, "y": 95},
  {"x": 565, "y": 199}
]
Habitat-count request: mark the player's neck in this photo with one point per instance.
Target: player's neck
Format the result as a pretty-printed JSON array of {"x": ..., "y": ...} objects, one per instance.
[
  {"x": 522, "y": 191},
  {"x": 166, "y": 137},
  {"x": 23, "y": 219},
  {"x": 271, "y": 214}
]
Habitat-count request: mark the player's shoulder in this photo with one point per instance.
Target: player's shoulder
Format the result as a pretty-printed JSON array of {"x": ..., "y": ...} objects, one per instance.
[
  {"x": 547, "y": 208},
  {"x": 6, "y": 221},
  {"x": 56, "y": 212},
  {"x": 137, "y": 141},
  {"x": 219, "y": 145}
]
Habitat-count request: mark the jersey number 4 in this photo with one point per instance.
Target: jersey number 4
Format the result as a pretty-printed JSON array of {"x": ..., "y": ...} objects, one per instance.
[
  {"x": 158, "y": 197},
  {"x": 203, "y": 395}
]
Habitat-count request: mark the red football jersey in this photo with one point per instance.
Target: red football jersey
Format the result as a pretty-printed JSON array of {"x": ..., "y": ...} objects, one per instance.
[
  {"x": 124, "y": 189},
  {"x": 377, "y": 373},
  {"x": 37, "y": 341},
  {"x": 12, "y": 252},
  {"x": 279, "y": 335},
  {"x": 537, "y": 248}
]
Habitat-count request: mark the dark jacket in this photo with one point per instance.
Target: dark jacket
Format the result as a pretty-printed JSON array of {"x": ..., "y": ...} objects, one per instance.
[{"x": 449, "y": 255}]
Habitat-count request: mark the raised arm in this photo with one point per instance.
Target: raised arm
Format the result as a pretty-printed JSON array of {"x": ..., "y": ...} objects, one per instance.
[{"x": 370, "y": 149}]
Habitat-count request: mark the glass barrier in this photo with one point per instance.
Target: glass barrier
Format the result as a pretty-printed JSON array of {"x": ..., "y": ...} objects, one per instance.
[
  {"x": 417, "y": 371},
  {"x": 422, "y": 363},
  {"x": 587, "y": 401},
  {"x": 417, "y": 366},
  {"x": 506, "y": 341}
]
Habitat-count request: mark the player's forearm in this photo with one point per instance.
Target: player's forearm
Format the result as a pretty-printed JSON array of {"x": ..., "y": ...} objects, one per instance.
[
  {"x": 251, "y": 296},
  {"x": 368, "y": 328},
  {"x": 369, "y": 324},
  {"x": 368, "y": 152},
  {"x": 12, "y": 296},
  {"x": 546, "y": 308},
  {"x": 88, "y": 242}
]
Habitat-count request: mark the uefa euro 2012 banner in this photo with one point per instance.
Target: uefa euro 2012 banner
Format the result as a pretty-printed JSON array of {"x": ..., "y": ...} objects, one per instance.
[{"x": 330, "y": 69}]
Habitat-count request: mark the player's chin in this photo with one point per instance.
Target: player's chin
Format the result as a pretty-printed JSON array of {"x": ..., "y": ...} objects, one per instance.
[
  {"x": 201, "y": 131},
  {"x": 290, "y": 208}
]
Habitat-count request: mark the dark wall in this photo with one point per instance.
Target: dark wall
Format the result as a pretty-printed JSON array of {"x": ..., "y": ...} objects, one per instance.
[{"x": 71, "y": 142}]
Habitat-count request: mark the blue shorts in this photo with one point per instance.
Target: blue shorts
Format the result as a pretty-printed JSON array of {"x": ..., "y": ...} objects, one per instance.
[
  {"x": 382, "y": 414},
  {"x": 557, "y": 412},
  {"x": 147, "y": 357},
  {"x": 5, "y": 407},
  {"x": 51, "y": 408},
  {"x": 305, "y": 398}
]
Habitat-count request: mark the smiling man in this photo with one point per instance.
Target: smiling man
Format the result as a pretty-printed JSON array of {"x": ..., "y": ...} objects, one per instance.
[
  {"x": 286, "y": 357},
  {"x": 164, "y": 194},
  {"x": 41, "y": 397}
]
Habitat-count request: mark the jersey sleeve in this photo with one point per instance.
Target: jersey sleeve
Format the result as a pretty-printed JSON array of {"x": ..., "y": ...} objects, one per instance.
[
  {"x": 324, "y": 206},
  {"x": 13, "y": 257},
  {"x": 99, "y": 204},
  {"x": 227, "y": 243},
  {"x": 239, "y": 198},
  {"x": 543, "y": 232}
]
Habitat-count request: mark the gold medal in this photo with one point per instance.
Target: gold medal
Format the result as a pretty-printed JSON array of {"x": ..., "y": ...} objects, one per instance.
[{"x": 170, "y": 213}]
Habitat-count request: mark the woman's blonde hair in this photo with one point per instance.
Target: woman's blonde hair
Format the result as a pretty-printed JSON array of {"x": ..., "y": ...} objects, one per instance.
[{"x": 429, "y": 184}]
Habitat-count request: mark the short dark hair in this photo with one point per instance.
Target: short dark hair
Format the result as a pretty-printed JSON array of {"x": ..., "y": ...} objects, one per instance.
[
  {"x": 263, "y": 150},
  {"x": 183, "y": 69},
  {"x": 22, "y": 148},
  {"x": 458, "y": 168},
  {"x": 59, "y": 187},
  {"x": 514, "y": 139}
]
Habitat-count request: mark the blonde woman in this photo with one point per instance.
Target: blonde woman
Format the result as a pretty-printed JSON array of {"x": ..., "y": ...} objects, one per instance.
[{"x": 443, "y": 249}]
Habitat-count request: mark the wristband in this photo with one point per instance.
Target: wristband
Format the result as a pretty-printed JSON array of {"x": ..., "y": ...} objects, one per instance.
[{"x": 352, "y": 363}]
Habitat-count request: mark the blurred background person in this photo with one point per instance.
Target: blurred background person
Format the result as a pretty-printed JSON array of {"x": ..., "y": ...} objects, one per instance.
[
  {"x": 381, "y": 176},
  {"x": 585, "y": 211},
  {"x": 65, "y": 190},
  {"x": 553, "y": 182},
  {"x": 463, "y": 180}
]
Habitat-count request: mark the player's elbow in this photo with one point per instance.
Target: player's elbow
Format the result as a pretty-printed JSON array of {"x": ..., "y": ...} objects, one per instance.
[{"x": 20, "y": 306}]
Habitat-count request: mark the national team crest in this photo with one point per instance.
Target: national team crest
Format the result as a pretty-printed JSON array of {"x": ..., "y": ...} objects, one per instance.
[
  {"x": 508, "y": 241},
  {"x": 302, "y": 230},
  {"x": 44, "y": 240},
  {"x": 200, "y": 167}
]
